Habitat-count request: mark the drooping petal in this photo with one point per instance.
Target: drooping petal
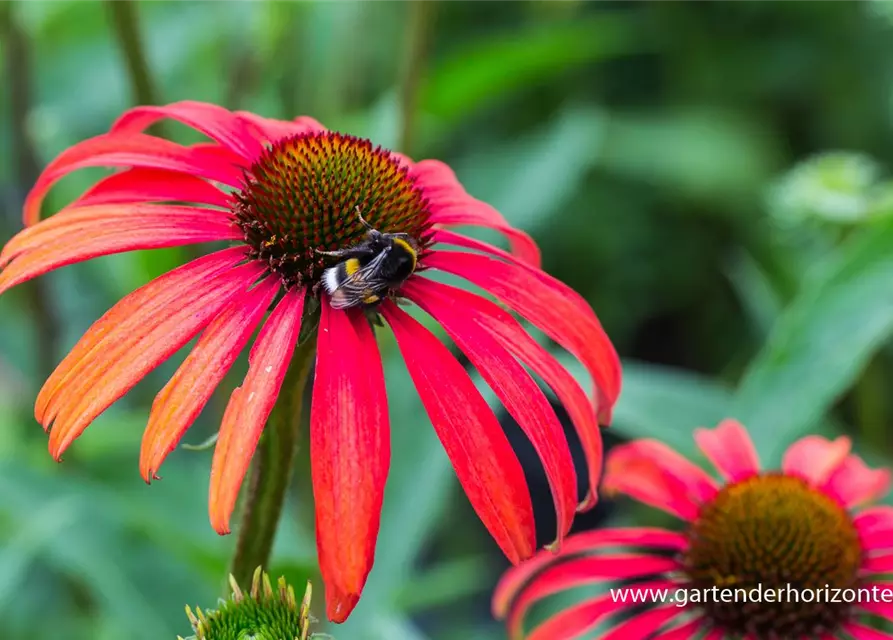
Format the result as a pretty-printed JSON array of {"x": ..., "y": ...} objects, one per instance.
[
  {"x": 447, "y": 236},
  {"x": 137, "y": 345},
  {"x": 152, "y": 185},
  {"x": 862, "y": 632},
  {"x": 854, "y": 483},
  {"x": 512, "y": 336},
  {"x": 653, "y": 473},
  {"x": 514, "y": 580},
  {"x": 730, "y": 449},
  {"x": 76, "y": 235},
  {"x": 349, "y": 454},
  {"x": 182, "y": 399},
  {"x": 274, "y": 130},
  {"x": 716, "y": 634},
  {"x": 582, "y": 571},
  {"x": 485, "y": 464},
  {"x": 645, "y": 624},
  {"x": 686, "y": 631},
  {"x": 451, "y": 204},
  {"x": 815, "y": 458},
  {"x": 550, "y": 305},
  {"x": 134, "y": 150},
  {"x": 223, "y": 126},
  {"x": 161, "y": 293},
  {"x": 250, "y": 405},
  {"x": 875, "y": 527},
  {"x": 574, "y": 622},
  {"x": 514, "y": 387}
]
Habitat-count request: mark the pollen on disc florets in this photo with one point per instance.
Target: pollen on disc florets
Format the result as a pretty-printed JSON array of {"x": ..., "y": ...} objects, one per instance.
[
  {"x": 263, "y": 613},
  {"x": 302, "y": 194},
  {"x": 768, "y": 532}
]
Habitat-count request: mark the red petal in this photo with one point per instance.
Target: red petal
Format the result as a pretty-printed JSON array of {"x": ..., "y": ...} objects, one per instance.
[
  {"x": 487, "y": 468},
  {"x": 875, "y": 528},
  {"x": 877, "y": 606},
  {"x": 815, "y": 458},
  {"x": 730, "y": 449},
  {"x": 273, "y": 130},
  {"x": 853, "y": 483},
  {"x": 134, "y": 150},
  {"x": 349, "y": 454},
  {"x": 550, "y": 305},
  {"x": 503, "y": 326},
  {"x": 514, "y": 387},
  {"x": 153, "y": 185},
  {"x": 861, "y": 632},
  {"x": 575, "y": 621},
  {"x": 644, "y": 624},
  {"x": 881, "y": 563},
  {"x": 582, "y": 571},
  {"x": 136, "y": 345},
  {"x": 653, "y": 473},
  {"x": 250, "y": 406},
  {"x": 687, "y": 631},
  {"x": 515, "y": 579},
  {"x": 77, "y": 235},
  {"x": 219, "y": 124},
  {"x": 182, "y": 399},
  {"x": 162, "y": 293}
]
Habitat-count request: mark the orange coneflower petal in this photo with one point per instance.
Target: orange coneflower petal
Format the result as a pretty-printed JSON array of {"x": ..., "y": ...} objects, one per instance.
[
  {"x": 550, "y": 305},
  {"x": 584, "y": 571},
  {"x": 53, "y": 247},
  {"x": 274, "y": 130},
  {"x": 653, "y": 473},
  {"x": 221, "y": 125},
  {"x": 451, "y": 204},
  {"x": 506, "y": 329},
  {"x": 516, "y": 579},
  {"x": 349, "y": 454},
  {"x": 126, "y": 317},
  {"x": 152, "y": 185},
  {"x": 135, "y": 150},
  {"x": 485, "y": 464},
  {"x": 181, "y": 400},
  {"x": 511, "y": 383},
  {"x": 250, "y": 406},
  {"x": 129, "y": 356}
]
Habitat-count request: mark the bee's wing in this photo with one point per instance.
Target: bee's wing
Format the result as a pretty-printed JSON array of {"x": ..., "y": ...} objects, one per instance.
[{"x": 360, "y": 284}]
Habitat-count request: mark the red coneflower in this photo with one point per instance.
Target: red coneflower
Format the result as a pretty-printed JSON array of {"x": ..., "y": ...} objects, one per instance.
[
  {"x": 286, "y": 194},
  {"x": 800, "y": 527}
]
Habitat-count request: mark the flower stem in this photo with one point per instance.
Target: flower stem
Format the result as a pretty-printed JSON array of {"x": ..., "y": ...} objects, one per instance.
[
  {"x": 272, "y": 468},
  {"x": 126, "y": 22},
  {"x": 420, "y": 20}
]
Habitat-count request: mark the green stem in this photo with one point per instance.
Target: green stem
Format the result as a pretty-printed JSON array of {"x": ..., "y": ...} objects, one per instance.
[
  {"x": 272, "y": 469},
  {"x": 870, "y": 398},
  {"x": 17, "y": 59},
  {"x": 420, "y": 17},
  {"x": 126, "y": 23}
]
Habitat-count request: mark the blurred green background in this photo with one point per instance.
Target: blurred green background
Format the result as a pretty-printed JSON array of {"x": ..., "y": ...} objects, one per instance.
[{"x": 713, "y": 177}]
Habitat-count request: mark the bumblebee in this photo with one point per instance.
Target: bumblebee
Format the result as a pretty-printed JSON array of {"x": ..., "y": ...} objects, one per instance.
[{"x": 371, "y": 269}]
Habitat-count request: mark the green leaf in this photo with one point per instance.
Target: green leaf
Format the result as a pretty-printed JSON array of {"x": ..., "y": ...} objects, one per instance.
[
  {"x": 821, "y": 343},
  {"x": 480, "y": 73}
]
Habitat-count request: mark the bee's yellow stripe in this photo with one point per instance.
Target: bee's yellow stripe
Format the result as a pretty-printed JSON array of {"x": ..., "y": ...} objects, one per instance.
[
  {"x": 351, "y": 266},
  {"x": 408, "y": 248}
]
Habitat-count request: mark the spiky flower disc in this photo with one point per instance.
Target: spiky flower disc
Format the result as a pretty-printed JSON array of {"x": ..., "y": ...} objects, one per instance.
[{"x": 261, "y": 614}]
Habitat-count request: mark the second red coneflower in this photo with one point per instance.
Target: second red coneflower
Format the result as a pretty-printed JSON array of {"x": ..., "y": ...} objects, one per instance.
[{"x": 282, "y": 193}]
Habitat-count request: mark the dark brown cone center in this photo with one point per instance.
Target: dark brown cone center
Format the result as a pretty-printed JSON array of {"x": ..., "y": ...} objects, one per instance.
[
  {"x": 302, "y": 195},
  {"x": 771, "y": 532}
]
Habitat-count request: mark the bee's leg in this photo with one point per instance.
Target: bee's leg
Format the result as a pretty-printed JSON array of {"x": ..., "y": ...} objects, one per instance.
[
  {"x": 340, "y": 253},
  {"x": 372, "y": 230}
]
